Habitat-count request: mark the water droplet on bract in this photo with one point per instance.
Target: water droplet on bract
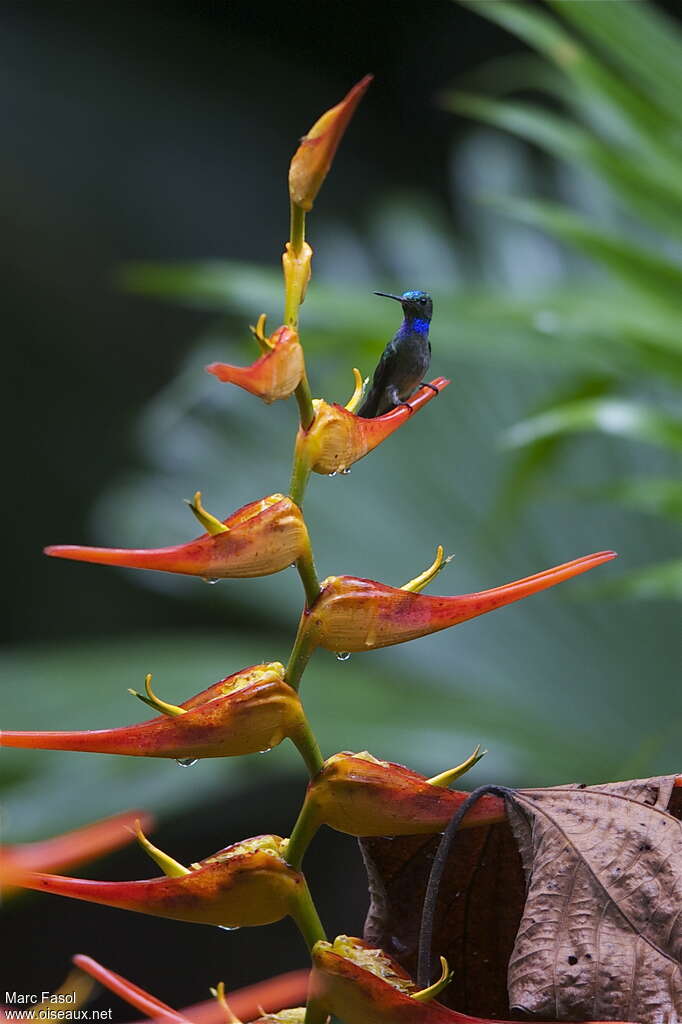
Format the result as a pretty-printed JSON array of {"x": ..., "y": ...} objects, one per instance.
[
  {"x": 266, "y": 751},
  {"x": 186, "y": 762},
  {"x": 225, "y": 928},
  {"x": 209, "y": 579},
  {"x": 343, "y": 655},
  {"x": 331, "y": 474},
  {"x": 345, "y": 472}
]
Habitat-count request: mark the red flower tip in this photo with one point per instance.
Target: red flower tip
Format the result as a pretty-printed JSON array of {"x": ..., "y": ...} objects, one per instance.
[
  {"x": 77, "y": 847},
  {"x": 313, "y": 158},
  {"x": 275, "y": 375},
  {"x": 245, "y": 885},
  {"x": 354, "y": 614},
  {"x": 253, "y": 709},
  {"x": 259, "y": 539}
]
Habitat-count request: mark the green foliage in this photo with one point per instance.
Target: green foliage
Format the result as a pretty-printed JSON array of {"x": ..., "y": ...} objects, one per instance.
[{"x": 619, "y": 81}]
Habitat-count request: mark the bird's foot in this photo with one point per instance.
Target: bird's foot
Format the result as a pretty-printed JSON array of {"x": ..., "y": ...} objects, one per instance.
[{"x": 433, "y": 387}]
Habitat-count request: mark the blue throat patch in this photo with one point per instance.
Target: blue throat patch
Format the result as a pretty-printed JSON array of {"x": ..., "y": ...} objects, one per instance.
[{"x": 420, "y": 326}]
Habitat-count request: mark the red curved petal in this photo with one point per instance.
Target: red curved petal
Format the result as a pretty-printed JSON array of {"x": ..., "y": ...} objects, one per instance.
[
  {"x": 80, "y": 845},
  {"x": 260, "y": 541},
  {"x": 275, "y": 375},
  {"x": 353, "y": 614}
]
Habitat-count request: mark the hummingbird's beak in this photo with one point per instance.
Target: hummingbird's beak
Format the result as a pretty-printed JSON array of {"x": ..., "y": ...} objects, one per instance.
[{"x": 387, "y": 295}]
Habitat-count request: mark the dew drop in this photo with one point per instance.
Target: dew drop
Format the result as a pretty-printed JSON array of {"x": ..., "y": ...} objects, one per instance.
[
  {"x": 209, "y": 579},
  {"x": 186, "y": 762},
  {"x": 345, "y": 472},
  {"x": 331, "y": 474},
  {"x": 266, "y": 751},
  {"x": 226, "y": 928},
  {"x": 343, "y": 655}
]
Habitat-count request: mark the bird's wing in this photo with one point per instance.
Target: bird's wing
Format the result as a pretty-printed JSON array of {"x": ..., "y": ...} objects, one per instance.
[
  {"x": 383, "y": 372},
  {"x": 381, "y": 378}
]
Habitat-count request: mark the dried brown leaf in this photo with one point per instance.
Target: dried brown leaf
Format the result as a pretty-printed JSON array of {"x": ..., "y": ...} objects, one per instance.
[
  {"x": 482, "y": 897},
  {"x": 480, "y": 907},
  {"x": 601, "y": 933}
]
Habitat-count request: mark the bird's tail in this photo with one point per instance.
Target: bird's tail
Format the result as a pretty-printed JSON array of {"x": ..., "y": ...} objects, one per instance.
[{"x": 370, "y": 407}]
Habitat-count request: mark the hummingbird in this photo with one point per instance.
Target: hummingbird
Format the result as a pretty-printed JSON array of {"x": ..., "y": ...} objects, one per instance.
[{"x": 405, "y": 359}]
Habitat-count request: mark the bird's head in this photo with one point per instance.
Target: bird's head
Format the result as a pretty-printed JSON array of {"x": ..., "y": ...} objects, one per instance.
[{"x": 416, "y": 305}]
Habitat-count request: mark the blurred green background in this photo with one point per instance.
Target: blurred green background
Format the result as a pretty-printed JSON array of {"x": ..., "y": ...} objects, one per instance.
[{"x": 521, "y": 162}]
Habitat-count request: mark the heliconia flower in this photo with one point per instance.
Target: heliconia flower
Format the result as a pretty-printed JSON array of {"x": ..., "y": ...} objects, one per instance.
[
  {"x": 337, "y": 437},
  {"x": 259, "y": 539},
  {"x": 313, "y": 158},
  {"x": 245, "y": 885},
  {"x": 252, "y": 710},
  {"x": 361, "y": 796},
  {"x": 245, "y": 1002},
  {"x": 353, "y": 614},
  {"x": 77, "y": 847},
  {"x": 361, "y": 985},
  {"x": 276, "y": 374}
]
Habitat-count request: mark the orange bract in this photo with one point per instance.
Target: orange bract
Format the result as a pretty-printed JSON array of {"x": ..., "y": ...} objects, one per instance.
[
  {"x": 275, "y": 375},
  {"x": 313, "y": 158},
  {"x": 353, "y": 614},
  {"x": 358, "y": 795},
  {"x": 244, "y": 885},
  {"x": 338, "y": 438},
  {"x": 261, "y": 538},
  {"x": 251, "y": 710}
]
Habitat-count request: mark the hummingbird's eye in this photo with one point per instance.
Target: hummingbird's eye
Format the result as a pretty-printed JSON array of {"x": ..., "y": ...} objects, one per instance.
[{"x": 422, "y": 301}]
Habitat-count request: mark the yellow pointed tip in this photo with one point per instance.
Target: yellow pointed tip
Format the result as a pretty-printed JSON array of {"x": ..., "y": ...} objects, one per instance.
[
  {"x": 152, "y": 701},
  {"x": 209, "y": 522},
  {"x": 448, "y": 777},
  {"x": 359, "y": 390},
  {"x": 258, "y": 331},
  {"x": 170, "y": 867},
  {"x": 218, "y": 994},
  {"x": 426, "y": 577},
  {"x": 427, "y": 994}
]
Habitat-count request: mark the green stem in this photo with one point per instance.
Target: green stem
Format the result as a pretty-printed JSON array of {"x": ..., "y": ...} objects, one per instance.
[
  {"x": 311, "y": 584},
  {"x": 301, "y": 653},
  {"x": 300, "y": 474},
  {"x": 308, "y": 747},
  {"x": 302, "y": 834},
  {"x": 304, "y": 398},
  {"x": 306, "y": 917},
  {"x": 297, "y": 229}
]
